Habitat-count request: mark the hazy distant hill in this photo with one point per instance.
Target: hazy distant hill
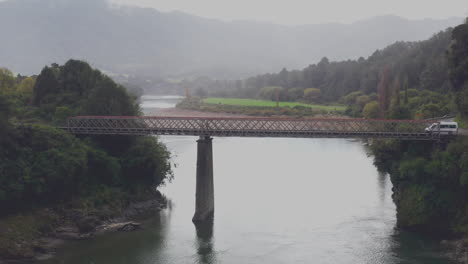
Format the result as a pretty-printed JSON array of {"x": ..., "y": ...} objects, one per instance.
[{"x": 144, "y": 41}]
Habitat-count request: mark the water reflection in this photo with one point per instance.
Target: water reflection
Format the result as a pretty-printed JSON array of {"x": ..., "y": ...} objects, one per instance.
[
  {"x": 150, "y": 102},
  {"x": 410, "y": 248},
  {"x": 142, "y": 246},
  {"x": 382, "y": 181},
  {"x": 205, "y": 242}
]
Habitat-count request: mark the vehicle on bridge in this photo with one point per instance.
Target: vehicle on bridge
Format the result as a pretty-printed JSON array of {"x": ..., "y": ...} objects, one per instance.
[{"x": 444, "y": 128}]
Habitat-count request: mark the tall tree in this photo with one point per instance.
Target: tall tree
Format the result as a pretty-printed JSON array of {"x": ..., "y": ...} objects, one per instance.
[
  {"x": 458, "y": 64},
  {"x": 47, "y": 85},
  {"x": 384, "y": 92}
]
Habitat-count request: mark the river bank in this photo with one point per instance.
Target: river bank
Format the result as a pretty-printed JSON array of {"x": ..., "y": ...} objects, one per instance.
[
  {"x": 458, "y": 249},
  {"x": 197, "y": 104},
  {"x": 430, "y": 182},
  {"x": 71, "y": 224}
]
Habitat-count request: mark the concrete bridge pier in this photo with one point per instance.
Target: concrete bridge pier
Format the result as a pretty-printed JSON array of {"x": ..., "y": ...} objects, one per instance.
[{"x": 204, "y": 196}]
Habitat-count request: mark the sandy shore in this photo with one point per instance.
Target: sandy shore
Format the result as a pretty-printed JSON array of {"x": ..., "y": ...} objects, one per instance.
[{"x": 177, "y": 112}]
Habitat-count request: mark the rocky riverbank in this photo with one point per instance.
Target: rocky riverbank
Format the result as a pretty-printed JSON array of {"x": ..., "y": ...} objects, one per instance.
[
  {"x": 457, "y": 249},
  {"x": 74, "y": 225}
]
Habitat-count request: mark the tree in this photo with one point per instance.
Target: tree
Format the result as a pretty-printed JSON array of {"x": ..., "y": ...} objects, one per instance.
[
  {"x": 295, "y": 94},
  {"x": 458, "y": 57},
  {"x": 272, "y": 93},
  {"x": 312, "y": 94},
  {"x": 77, "y": 88},
  {"x": 383, "y": 90},
  {"x": 405, "y": 87},
  {"x": 4, "y": 115},
  {"x": 351, "y": 97},
  {"x": 7, "y": 81},
  {"x": 25, "y": 88},
  {"x": 395, "y": 110},
  {"x": 201, "y": 92},
  {"x": 147, "y": 162},
  {"x": 362, "y": 100},
  {"x": 47, "y": 85},
  {"x": 458, "y": 66},
  {"x": 108, "y": 98},
  {"x": 431, "y": 110},
  {"x": 371, "y": 110}
]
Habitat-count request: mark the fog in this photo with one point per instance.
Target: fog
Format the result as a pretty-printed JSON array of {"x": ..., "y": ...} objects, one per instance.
[
  {"x": 151, "y": 42},
  {"x": 298, "y": 12}
]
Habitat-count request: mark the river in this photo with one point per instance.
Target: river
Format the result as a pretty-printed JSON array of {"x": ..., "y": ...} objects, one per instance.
[{"x": 277, "y": 201}]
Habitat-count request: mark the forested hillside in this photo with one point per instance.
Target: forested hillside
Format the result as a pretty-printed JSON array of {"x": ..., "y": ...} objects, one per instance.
[{"x": 406, "y": 79}]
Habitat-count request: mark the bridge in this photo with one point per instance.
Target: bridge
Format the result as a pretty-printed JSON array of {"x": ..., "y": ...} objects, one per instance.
[
  {"x": 206, "y": 128},
  {"x": 252, "y": 127}
]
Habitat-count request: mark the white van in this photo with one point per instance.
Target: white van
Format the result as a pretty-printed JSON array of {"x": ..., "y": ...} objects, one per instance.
[{"x": 446, "y": 128}]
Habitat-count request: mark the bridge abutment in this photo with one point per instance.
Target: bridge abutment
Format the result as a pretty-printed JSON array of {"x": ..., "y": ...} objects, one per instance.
[{"x": 204, "y": 196}]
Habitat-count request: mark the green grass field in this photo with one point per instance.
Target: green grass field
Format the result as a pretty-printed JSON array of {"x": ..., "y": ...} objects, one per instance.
[{"x": 263, "y": 103}]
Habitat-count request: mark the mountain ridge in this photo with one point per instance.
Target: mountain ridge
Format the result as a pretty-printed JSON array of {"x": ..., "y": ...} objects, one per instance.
[{"x": 144, "y": 41}]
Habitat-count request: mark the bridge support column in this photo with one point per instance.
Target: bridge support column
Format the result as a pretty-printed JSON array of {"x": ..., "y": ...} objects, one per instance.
[{"x": 204, "y": 197}]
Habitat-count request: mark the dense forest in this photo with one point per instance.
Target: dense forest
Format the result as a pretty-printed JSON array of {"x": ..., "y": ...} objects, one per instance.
[{"x": 44, "y": 166}]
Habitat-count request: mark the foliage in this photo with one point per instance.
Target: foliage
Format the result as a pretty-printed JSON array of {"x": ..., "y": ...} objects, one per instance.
[
  {"x": 273, "y": 93},
  {"x": 371, "y": 110},
  {"x": 19, "y": 229},
  {"x": 295, "y": 94},
  {"x": 312, "y": 94},
  {"x": 410, "y": 80},
  {"x": 458, "y": 61},
  {"x": 41, "y": 165},
  {"x": 417, "y": 65},
  {"x": 458, "y": 56},
  {"x": 26, "y": 86},
  {"x": 147, "y": 162},
  {"x": 82, "y": 90},
  {"x": 430, "y": 183}
]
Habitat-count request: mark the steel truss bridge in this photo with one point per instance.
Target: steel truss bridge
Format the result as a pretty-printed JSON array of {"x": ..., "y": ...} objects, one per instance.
[
  {"x": 207, "y": 127},
  {"x": 253, "y": 127}
]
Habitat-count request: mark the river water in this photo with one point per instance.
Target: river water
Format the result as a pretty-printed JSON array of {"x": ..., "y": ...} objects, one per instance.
[{"x": 277, "y": 201}]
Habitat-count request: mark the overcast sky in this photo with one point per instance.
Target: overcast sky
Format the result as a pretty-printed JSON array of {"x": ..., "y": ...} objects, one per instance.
[{"x": 293, "y": 12}]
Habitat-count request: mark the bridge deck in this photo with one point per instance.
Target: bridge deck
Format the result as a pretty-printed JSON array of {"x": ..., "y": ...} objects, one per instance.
[{"x": 252, "y": 127}]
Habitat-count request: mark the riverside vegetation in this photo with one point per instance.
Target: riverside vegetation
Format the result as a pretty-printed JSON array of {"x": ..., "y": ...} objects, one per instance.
[
  {"x": 431, "y": 180},
  {"x": 50, "y": 178}
]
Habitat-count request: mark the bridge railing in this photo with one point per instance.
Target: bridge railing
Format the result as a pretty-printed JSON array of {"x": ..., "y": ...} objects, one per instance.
[{"x": 255, "y": 127}]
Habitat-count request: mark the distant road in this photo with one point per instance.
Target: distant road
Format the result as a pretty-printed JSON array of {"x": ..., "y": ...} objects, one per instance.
[{"x": 463, "y": 131}]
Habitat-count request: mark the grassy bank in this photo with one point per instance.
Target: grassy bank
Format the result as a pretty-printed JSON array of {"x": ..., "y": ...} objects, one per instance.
[
  {"x": 264, "y": 103},
  {"x": 259, "y": 107}
]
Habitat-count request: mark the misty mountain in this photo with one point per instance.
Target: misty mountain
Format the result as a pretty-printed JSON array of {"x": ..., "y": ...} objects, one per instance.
[{"x": 146, "y": 42}]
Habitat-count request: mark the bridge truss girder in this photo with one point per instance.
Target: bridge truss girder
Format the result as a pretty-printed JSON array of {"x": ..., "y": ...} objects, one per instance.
[{"x": 253, "y": 127}]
